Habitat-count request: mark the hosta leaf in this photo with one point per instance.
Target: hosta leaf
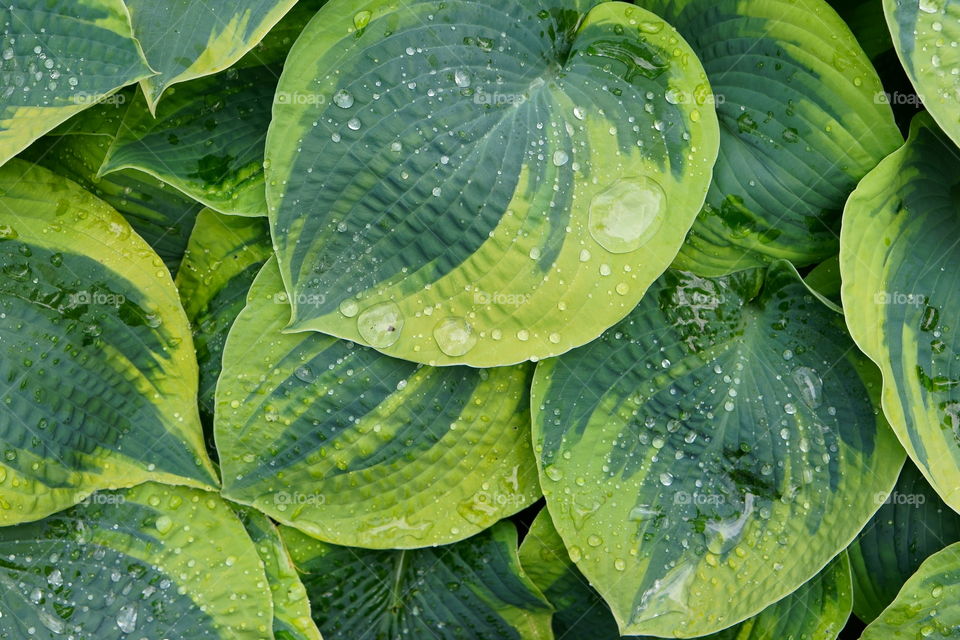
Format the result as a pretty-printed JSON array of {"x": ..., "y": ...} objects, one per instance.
[
  {"x": 817, "y": 610},
  {"x": 224, "y": 256},
  {"x": 159, "y": 213},
  {"x": 473, "y": 589},
  {"x": 150, "y": 562},
  {"x": 924, "y": 33},
  {"x": 100, "y": 376},
  {"x": 691, "y": 450},
  {"x": 58, "y": 57},
  {"x": 207, "y": 137},
  {"x": 189, "y": 39},
  {"x": 800, "y": 125},
  {"x": 361, "y": 449},
  {"x": 927, "y": 606},
  {"x": 898, "y": 258},
  {"x": 291, "y": 608},
  {"x": 483, "y": 183},
  {"x": 912, "y": 524}
]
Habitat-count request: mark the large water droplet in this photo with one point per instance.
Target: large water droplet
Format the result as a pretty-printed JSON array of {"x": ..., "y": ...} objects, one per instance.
[
  {"x": 455, "y": 336},
  {"x": 127, "y": 618},
  {"x": 343, "y": 99},
  {"x": 810, "y": 386},
  {"x": 380, "y": 325},
  {"x": 627, "y": 215},
  {"x": 462, "y": 78}
]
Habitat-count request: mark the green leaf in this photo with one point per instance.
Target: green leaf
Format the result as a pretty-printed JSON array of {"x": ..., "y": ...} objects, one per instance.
[
  {"x": 361, "y": 449},
  {"x": 800, "y": 125},
  {"x": 223, "y": 258},
  {"x": 194, "y": 38},
  {"x": 825, "y": 279},
  {"x": 912, "y": 524},
  {"x": 470, "y": 184},
  {"x": 817, "y": 610},
  {"x": 923, "y": 33},
  {"x": 58, "y": 57},
  {"x": 160, "y": 214},
  {"x": 100, "y": 376},
  {"x": 691, "y": 450},
  {"x": 898, "y": 260},
  {"x": 291, "y": 608},
  {"x": 473, "y": 589},
  {"x": 927, "y": 606},
  {"x": 150, "y": 562},
  {"x": 208, "y": 135}
]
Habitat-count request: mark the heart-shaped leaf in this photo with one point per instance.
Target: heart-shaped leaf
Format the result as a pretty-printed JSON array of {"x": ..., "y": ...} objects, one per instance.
[
  {"x": 800, "y": 125},
  {"x": 58, "y": 57},
  {"x": 101, "y": 380},
  {"x": 898, "y": 258},
  {"x": 361, "y": 449},
  {"x": 483, "y": 183},
  {"x": 913, "y": 524},
  {"x": 150, "y": 562},
  {"x": 473, "y": 589},
  {"x": 690, "y": 450},
  {"x": 925, "y": 33}
]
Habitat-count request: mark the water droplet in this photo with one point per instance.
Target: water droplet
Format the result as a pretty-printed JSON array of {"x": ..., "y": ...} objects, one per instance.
[
  {"x": 343, "y": 99},
  {"x": 560, "y": 158},
  {"x": 349, "y": 308},
  {"x": 127, "y": 618},
  {"x": 354, "y": 124},
  {"x": 455, "y": 336},
  {"x": 628, "y": 214},
  {"x": 666, "y": 479},
  {"x": 810, "y": 386},
  {"x": 790, "y": 408},
  {"x": 523, "y": 335},
  {"x": 380, "y": 325},
  {"x": 163, "y": 524},
  {"x": 462, "y": 78},
  {"x": 361, "y": 19}
]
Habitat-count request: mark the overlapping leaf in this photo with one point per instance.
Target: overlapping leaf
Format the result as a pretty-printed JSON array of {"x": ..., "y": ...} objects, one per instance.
[
  {"x": 483, "y": 184},
  {"x": 58, "y": 57},
  {"x": 691, "y": 450},
  {"x": 800, "y": 125},
  {"x": 898, "y": 257},
  {"x": 150, "y": 562},
  {"x": 473, "y": 589},
  {"x": 361, "y": 449},
  {"x": 100, "y": 379}
]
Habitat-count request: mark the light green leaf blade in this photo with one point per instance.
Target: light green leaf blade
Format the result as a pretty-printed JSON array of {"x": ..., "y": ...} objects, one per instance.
[
  {"x": 800, "y": 125},
  {"x": 223, "y": 257},
  {"x": 360, "y": 449},
  {"x": 898, "y": 260},
  {"x": 927, "y": 606},
  {"x": 58, "y": 57},
  {"x": 817, "y": 610},
  {"x": 160, "y": 214},
  {"x": 913, "y": 524},
  {"x": 291, "y": 607},
  {"x": 502, "y": 184},
  {"x": 150, "y": 562},
  {"x": 691, "y": 449},
  {"x": 101, "y": 379},
  {"x": 190, "y": 39},
  {"x": 473, "y": 589},
  {"x": 923, "y": 33}
]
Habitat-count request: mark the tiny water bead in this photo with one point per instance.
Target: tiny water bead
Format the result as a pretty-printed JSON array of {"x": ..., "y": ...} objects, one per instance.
[
  {"x": 628, "y": 214},
  {"x": 380, "y": 325}
]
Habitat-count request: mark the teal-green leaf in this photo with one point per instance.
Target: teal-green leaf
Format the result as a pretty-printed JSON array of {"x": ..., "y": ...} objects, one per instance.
[
  {"x": 479, "y": 183},
  {"x": 360, "y": 449},
  {"x": 924, "y": 33},
  {"x": 913, "y": 524},
  {"x": 898, "y": 258},
  {"x": 474, "y": 589},
  {"x": 800, "y": 125},
  {"x": 223, "y": 257},
  {"x": 150, "y": 562},
  {"x": 190, "y": 39},
  {"x": 690, "y": 451},
  {"x": 818, "y": 610},
  {"x": 58, "y": 57},
  {"x": 95, "y": 351},
  {"x": 927, "y": 606}
]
